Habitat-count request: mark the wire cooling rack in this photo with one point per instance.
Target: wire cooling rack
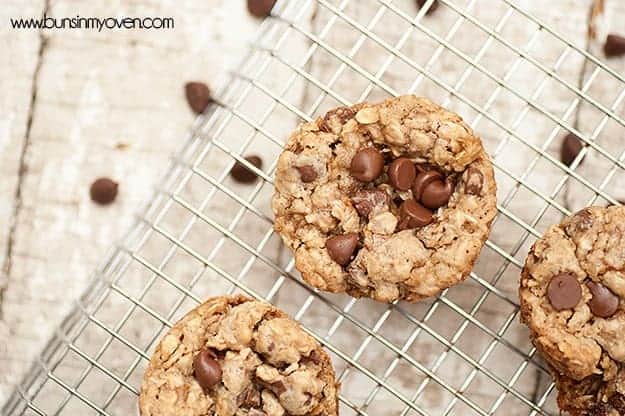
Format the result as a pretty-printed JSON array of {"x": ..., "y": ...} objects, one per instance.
[{"x": 513, "y": 77}]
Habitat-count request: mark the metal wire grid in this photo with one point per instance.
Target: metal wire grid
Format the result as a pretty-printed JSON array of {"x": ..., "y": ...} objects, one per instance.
[{"x": 462, "y": 353}]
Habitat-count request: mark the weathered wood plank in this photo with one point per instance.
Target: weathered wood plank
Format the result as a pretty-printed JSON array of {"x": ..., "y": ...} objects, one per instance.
[{"x": 108, "y": 104}]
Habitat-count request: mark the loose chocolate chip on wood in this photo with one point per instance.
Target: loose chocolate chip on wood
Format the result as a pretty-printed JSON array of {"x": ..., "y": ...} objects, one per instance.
[
  {"x": 206, "y": 369},
  {"x": 103, "y": 191},
  {"x": 367, "y": 164},
  {"x": 365, "y": 200},
  {"x": 412, "y": 215},
  {"x": 433, "y": 7},
  {"x": 242, "y": 173},
  {"x": 564, "y": 291},
  {"x": 198, "y": 96},
  {"x": 341, "y": 247},
  {"x": 571, "y": 146},
  {"x": 437, "y": 193},
  {"x": 604, "y": 303},
  {"x": 402, "y": 173},
  {"x": 614, "y": 45},
  {"x": 307, "y": 173},
  {"x": 260, "y": 8}
]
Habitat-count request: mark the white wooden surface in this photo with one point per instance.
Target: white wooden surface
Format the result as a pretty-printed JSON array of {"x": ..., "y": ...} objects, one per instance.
[
  {"x": 105, "y": 104},
  {"x": 94, "y": 91}
]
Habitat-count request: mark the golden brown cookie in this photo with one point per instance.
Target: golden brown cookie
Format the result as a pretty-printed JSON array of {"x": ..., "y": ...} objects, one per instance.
[
  {"x": 392, "y": 200},
  {"x": 234, "y": 356},
  {"x": 571, "y": 292}
]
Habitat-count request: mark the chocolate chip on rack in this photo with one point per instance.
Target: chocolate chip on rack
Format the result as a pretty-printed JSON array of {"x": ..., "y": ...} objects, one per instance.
[
  {"x": 571, "y": 146},
  {"x": 341, "y": 247},
  {"x": 402, "y": 173},
  {"x": 433, "y": 7},
  {"x": 307, "y": 173},
  {"x": 604, "y": 303},
  {"x": 412, "y": 215},
  {"x": 367, "y": 165},
  {"x": 198, "y": 96},
  {"x": 206, "y": 369},
  {"x": 564, "y": 291},
  {"x": 366, "y": 200},
  {"x": 242, "y": 173}
]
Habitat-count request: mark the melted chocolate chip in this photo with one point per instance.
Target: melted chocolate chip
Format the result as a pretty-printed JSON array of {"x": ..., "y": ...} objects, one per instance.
[
  {"x": 564, "y": 291},
  {"x": 103, "y": 191},
  {"x": 475, "y": 182},
  {"x": 307, "y": 173},
  {"x": 367, "y": 165},
  {"x": 198, "y": 96},
  {"x": 334, "y": 119},
  {"x": 206, "y": 369},
  {"x": 413, "y": 215},
  {"x": 402, "y": 173},
  {"x": 422, "y": 180},
  {"x": 341, "y": 247},
  {"x": 366, "y": 200},
  {"x": 437, "y": 193},
  {"x": 604, "y": 302}
]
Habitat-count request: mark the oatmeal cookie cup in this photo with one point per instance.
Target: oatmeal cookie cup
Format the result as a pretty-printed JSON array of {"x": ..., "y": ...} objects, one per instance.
[
  {"x": 235, "y": 356},
  {"x": 389, "y": 201},
  {"x": 571, "y": 292}
]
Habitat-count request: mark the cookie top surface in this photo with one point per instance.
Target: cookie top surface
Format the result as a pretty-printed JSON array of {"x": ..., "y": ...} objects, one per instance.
[
  {"x": 236, "y": 356},
  {"x": 592, "y": 396},
  {"x": 572, "y": 290},
  {"x": 391, "y": 201}
]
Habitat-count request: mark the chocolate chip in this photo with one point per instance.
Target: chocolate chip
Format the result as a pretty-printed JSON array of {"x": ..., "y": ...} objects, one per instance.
[
  {"x": 334, "y": 119},
  {"x": 412, "y": 215},
  {"x": 307, "y": 173},
  {"x": 564, "y": 291},
  {"x": 250, "y": 398},
  {"x": 260, "y": 8},
  {"x": 603, "y": 303},
  {"x": 433, "y": 7},
  {"x": 571, "y": 146},
  {"x": 242, "y": 173},
  {"x": 341, "y": 247},
  {"x": 614, "y": 45},
  {"x": 366, "y": 199},
  {"x": 474, "y": 183},
  {"x": 367, "y": 165},
  {"x": 437, "y": 193},
  {"x": 422, "y": 180},
  {"x": 579, "y": 222},
  {"x": 278, "y": 388},
  {"x": 198, "y": 96},
  {"x": 206, "y": 369},
  {"x": 402, "y": 173},
  {"x": 103, "y": 191}
]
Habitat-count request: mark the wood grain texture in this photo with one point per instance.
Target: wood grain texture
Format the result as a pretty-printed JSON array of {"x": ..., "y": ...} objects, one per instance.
[{"x": 107, "y": 103}]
